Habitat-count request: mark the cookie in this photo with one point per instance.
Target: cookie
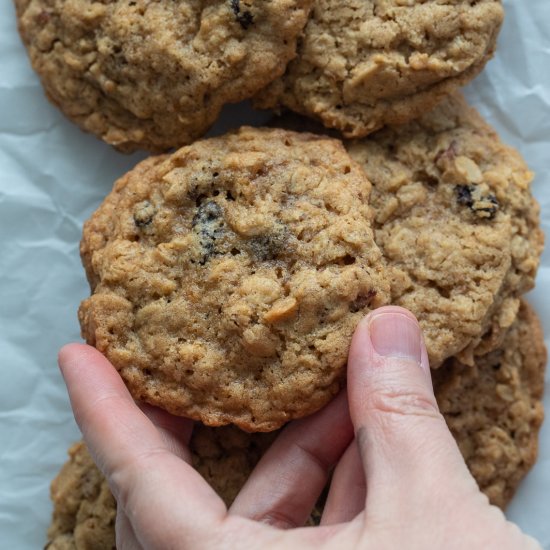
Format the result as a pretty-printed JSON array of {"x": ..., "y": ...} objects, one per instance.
[
  {"x": 85, "y": 510},
  {"x": 493, "y": 410},
  {"x": 457, "y": 225},
  {"x": 227, "y": 279},
  {"x": 363, "y": 64},
  {"x": 226, "y": 456},
  {"x": 154, "y": 75}
]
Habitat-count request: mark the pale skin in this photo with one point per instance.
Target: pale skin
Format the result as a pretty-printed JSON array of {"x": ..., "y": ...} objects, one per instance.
[{"x": 399, "y": 480}]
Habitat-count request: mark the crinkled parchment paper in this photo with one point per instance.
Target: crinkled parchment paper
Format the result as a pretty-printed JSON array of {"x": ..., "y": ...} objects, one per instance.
[{"x": 52, "y": 176}]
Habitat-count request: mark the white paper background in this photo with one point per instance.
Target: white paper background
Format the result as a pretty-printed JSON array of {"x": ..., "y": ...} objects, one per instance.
[{"x": 52, "y": 176}]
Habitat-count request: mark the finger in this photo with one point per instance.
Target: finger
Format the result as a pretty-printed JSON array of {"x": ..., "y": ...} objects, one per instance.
[
  {"x": 144, "y": 475},
  {"x": 105, "y": 410},
  {"x": 175, "y": 430},
  {"x": 287, "y": 481},
  {"x": 346, "y": 497},
  {"x": 402, "y": 438},
  {"x": 125, "y": 536}
]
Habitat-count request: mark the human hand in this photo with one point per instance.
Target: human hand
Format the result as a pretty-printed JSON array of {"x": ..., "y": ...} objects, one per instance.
[{"x": 399, "y": 480}]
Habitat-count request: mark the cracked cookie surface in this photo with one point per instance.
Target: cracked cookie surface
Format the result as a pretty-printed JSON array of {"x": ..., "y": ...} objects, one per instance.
[
  {"x": 227, "y": 279},
  {"x": 457, "y": 225},
  {"x": 362, "y": 64},
  {"x": 155, "y": 74}
]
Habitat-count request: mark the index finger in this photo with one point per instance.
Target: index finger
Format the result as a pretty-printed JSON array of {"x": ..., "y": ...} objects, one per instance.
[{"x": 146, "y": 478}]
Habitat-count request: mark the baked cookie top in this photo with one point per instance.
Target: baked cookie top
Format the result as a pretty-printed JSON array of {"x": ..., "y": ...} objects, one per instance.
[
  {"x": 456, "y": 223},
  {"x": 362, "y": 64},
  {"x": 494, "y": 409},
  {"x": 228, "y": 278},
  {"x": 155, "y": 74}
]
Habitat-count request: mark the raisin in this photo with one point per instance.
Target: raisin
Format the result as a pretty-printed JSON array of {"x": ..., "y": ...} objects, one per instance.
[
  {"x": 483, "y": 206},
  {"x": 207, "y": 213},
  {"x": 269, "y": 245},
  {"x": 464, "y": 194},
  {"x": 244, "y": 18},
  {"x": 144, "y": 213},
  {"x": 362, "y": 301},
  {"x": 43, "y": 18},
  {"x": 208, "y": 224}
]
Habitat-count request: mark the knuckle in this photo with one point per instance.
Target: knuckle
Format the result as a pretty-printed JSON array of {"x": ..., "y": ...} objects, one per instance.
[
  {"x": 403, "y": 402},
  {"x": 120, "y": 487},
  {"x": 278, "y": 519},
  {"x": 125, "y": 477}
]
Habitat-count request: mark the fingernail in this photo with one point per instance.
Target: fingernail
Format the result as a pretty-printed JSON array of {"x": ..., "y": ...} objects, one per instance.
[{"x": 395, "y": 335}]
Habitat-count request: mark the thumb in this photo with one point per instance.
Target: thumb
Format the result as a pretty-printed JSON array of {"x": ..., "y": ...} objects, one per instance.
[{"x": 402, "y": 437}]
